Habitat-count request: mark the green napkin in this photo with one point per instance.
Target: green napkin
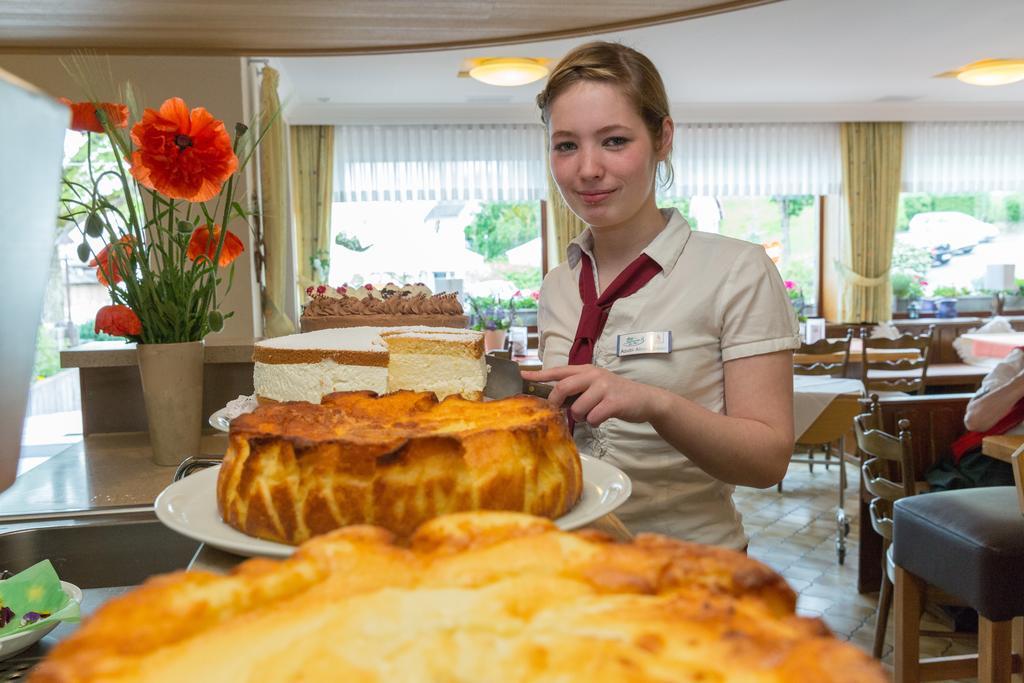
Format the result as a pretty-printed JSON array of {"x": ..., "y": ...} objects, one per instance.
[{"x": 32, "y": 599}]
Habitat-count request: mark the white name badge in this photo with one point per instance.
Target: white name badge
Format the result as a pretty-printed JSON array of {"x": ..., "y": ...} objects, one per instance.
[{"x": 636, "y": 343}]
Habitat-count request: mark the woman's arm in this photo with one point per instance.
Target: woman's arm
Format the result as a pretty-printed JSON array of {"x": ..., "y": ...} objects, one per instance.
[
  {"x": 749, "y": 445},
  {"x": 986, "y": 408}
]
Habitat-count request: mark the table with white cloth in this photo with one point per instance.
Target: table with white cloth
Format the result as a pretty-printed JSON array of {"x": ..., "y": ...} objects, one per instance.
[
  {"x": 823, "y": 412},
  {"x": 820, "y": 401},
  {"x": 997, "y": 346}
]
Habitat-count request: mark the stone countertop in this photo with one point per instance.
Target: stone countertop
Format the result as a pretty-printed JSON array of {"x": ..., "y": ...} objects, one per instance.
[
  {"x": 108, "y": 354},
  {"x": 102, "y": 472}
]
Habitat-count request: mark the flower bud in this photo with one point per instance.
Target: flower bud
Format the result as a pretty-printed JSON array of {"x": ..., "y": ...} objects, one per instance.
[
  {"x": 83, "y": 252},
  {"x": 216, "y": 320},
  {"x": 185, "y": 227},
  {"x": 94, "y": 225}
]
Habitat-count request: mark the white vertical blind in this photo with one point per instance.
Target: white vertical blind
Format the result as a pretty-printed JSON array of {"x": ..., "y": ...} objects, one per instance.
[
  {"x": 755, "y": 159},
  {"x": 487, "y": 162},
  {"x": 963, "y": 156}
]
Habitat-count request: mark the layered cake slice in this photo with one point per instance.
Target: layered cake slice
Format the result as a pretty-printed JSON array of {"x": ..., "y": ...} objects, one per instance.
[
  {"x": 429, "y": 360},
  {"x": 307, "y": 366}
]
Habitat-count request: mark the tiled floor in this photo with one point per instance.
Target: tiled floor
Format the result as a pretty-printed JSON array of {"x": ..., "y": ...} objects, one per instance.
[{"x": 794, "y": 532}]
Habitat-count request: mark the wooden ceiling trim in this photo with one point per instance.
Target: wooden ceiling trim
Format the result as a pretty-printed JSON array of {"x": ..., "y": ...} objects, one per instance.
[{"x": 478, "y": 24}]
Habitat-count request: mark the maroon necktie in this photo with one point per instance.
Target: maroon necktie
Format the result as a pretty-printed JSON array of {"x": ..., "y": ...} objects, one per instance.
[{"x": 596, "y": 308}]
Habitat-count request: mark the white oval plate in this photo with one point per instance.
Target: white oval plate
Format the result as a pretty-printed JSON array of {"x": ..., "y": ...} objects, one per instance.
[
  {"x": 189, "y": 507},
  {"x": 16, "y": 642}
]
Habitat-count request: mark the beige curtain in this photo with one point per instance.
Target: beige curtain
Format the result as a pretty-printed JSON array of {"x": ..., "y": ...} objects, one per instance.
[
  {"x": 872, "y": 154},
  {"x": 312, "y": 185},
  {"x": 274, "y": 216},
  {"x": 567, "y": 225}
]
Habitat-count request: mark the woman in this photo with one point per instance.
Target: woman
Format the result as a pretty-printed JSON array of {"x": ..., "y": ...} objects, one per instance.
[{"x": 714, "y": 408}]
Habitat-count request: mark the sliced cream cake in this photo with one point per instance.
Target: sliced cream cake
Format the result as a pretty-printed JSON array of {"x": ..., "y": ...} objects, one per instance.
[
  {"x": 428, "y": 360},
  {"x": 307, "y": 366}
]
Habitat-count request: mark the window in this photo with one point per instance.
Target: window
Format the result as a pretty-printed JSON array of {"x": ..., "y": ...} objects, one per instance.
[
  {"x": 481, "y": 248},
  {"x": 787, "y": 226},
  {"x": 945, "y": 242}
]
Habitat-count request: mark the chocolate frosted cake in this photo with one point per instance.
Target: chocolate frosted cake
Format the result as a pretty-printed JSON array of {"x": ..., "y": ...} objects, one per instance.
[{"x": 386, "y": 306}]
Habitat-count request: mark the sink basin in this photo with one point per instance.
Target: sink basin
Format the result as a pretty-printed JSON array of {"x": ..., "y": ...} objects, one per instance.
[{"x": 118, "y": 550}]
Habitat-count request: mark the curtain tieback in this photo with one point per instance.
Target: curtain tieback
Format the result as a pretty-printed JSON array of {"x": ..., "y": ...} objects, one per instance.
[{"x": 855, "y": 278}]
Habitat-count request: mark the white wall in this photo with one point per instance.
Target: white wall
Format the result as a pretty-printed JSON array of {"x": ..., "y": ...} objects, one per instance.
[{"x": 211, "y": 82}]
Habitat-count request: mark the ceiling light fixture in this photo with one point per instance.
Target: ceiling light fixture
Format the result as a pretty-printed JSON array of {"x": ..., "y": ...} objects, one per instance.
[
  {"x": 508, "y": 71},
  {"x": 989, "y": 72}
]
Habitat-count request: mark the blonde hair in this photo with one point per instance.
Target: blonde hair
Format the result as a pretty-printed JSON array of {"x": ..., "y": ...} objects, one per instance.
[{"x": 630, "y": 71}]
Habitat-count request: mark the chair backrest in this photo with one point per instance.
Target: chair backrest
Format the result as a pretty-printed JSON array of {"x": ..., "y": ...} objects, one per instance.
[
  {"x": 1017, "y": 461},
  {"x": 886, "y": 454},
  {"x": 824, "y": 357},
  {"x": 906, "y": 373}
]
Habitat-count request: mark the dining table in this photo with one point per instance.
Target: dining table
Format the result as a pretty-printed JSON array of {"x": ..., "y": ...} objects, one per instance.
[
  {"x": 1001, "y": 446},
  {"x": 996, "y": 346}
]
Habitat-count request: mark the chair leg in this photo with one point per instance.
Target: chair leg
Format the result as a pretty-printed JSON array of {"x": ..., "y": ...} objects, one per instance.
[
  {"x": 994, "y": 661},
  {"x": 882, "y": 616},
  {"x": 828, "y": 455},
  {"x": 810, "y": 460},
  {"x": 1017, "y": 645},
  {"x": 908, "y": 599}
]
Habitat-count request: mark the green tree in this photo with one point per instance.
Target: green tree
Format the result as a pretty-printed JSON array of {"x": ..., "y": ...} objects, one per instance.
[
  {"x": 790, "y": 206},
  {"x": 500, "y": 226},
  {"x": 682, "y": 204}
]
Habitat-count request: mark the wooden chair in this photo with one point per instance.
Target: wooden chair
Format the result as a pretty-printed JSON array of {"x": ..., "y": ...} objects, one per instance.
[
  {"x": 829, "y": 357},
  {"x": 903, "y": 375},
  {"x": 880, "y": 448},
  {"x": 962, "y": 547},
  {"x": 825, "y": 357},
  {"x": 888, "y": 474}
]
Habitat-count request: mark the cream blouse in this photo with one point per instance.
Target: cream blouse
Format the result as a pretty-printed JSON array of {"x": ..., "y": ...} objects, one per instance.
[{"x": 722, "y": 299}]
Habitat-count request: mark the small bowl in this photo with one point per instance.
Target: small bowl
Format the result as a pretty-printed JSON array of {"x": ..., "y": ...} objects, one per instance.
[{"x": 16, "y": 642}]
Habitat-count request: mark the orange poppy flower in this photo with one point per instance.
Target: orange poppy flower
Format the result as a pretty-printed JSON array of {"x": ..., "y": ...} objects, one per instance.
[
  {"x": 119, "y": 321},
  {"x": 84, "y": 119},
  {"x": 182, "y": 154},
  {"x": 203, "y": 244},
  {"x": 107, "y": 266}
]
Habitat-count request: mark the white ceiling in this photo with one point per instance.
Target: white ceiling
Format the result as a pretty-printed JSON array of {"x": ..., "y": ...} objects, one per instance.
[{"x": 796, "y": 60}]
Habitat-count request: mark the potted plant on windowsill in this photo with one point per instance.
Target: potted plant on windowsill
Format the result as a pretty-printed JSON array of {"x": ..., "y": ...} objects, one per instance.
[
  {"x": 906, "y": 289},
  {"x": 493, "y": 318},
  {"x": 1012, "y": 299},
  {"x": 975, "y": 301},
  {"x": 524, "y": 308}
]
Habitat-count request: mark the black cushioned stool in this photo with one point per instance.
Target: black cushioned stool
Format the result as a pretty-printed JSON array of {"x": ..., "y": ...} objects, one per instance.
[{"x": 970, "y": 544}]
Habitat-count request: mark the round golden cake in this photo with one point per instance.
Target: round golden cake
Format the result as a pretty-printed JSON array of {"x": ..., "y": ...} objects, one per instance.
[
  {"x": 295, "y": 470},
  {"x": 471, "y": 598}
]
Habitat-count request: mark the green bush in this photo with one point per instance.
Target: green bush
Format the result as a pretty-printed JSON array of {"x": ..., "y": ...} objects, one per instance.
[
  {"x": 47, "y": 361},
  {"x": 87, "y": 332},
  {"x": 1012, "y": 209},
  {"x": 914, "y": 204},
  {"x": 910, "y": 259}
]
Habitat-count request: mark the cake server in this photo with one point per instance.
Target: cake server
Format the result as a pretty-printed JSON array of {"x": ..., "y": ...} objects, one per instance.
[{"x": 504, "y": 379}]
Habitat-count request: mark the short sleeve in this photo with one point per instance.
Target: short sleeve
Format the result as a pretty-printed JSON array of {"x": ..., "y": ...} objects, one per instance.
[
  {"x": 1003, "y": 373},
  {"x": 754, "y": 308}
]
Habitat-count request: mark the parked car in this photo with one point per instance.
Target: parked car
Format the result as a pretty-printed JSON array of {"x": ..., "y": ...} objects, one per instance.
[{"x": 961, "y": 232}]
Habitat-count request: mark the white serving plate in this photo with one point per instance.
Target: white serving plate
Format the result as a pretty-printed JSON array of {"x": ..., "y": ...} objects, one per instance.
[{"x": 189, "y": 507}]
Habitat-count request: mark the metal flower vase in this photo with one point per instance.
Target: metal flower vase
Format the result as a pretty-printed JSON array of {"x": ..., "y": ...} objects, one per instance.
[{"x": 172, "y": 387}]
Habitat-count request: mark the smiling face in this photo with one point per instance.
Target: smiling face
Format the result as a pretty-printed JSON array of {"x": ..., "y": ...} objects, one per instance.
[{"x": 603, "y": 157}]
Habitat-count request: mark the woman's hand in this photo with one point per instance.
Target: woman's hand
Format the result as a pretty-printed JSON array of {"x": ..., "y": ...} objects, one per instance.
[{"x": 602, "y": 394}]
